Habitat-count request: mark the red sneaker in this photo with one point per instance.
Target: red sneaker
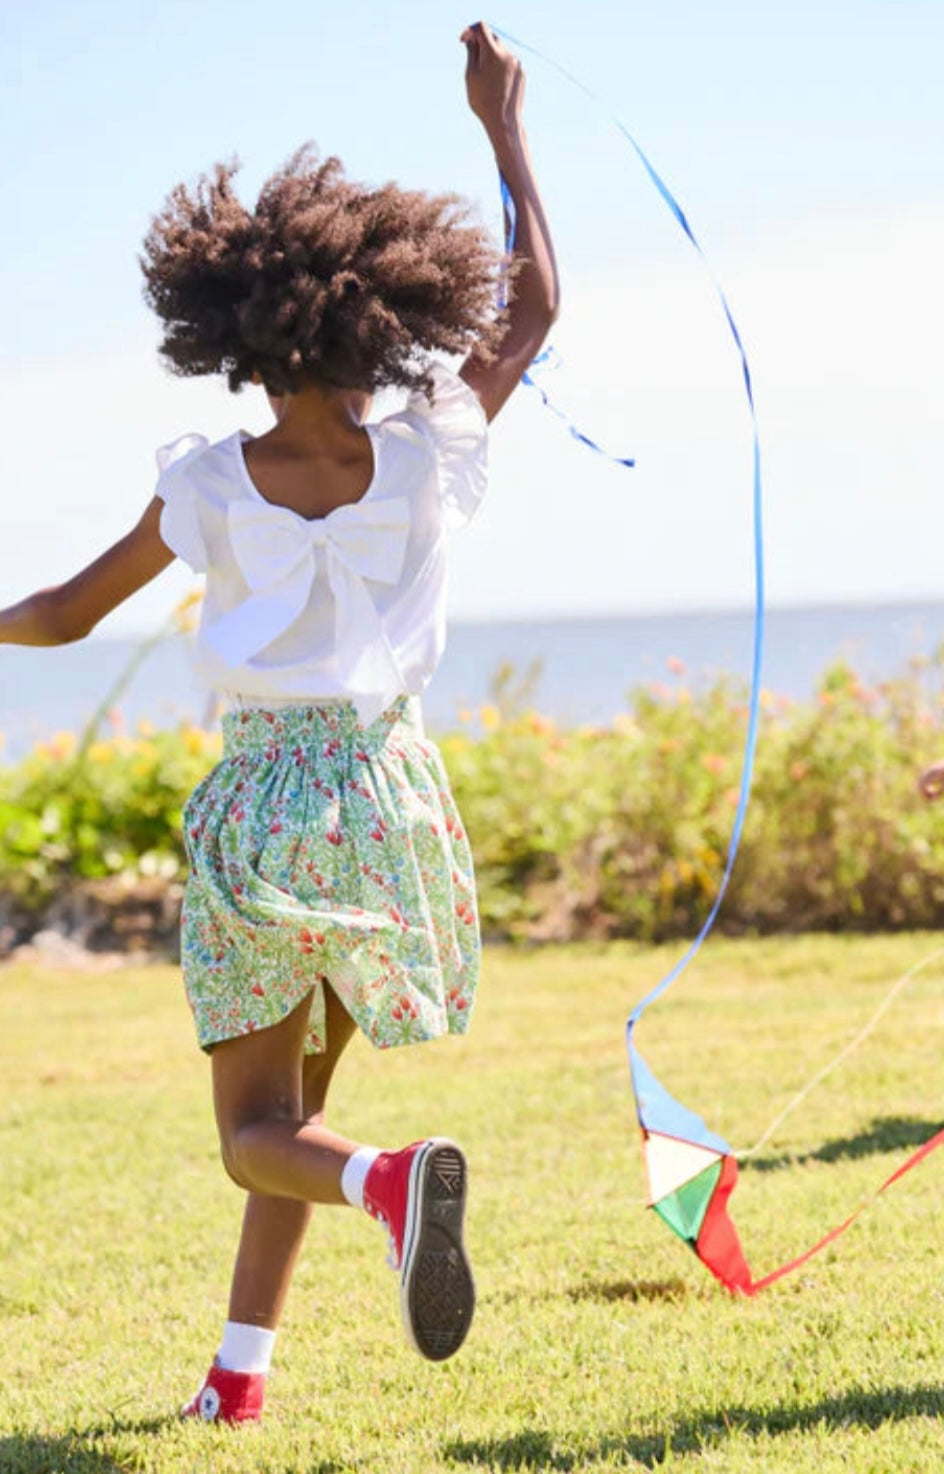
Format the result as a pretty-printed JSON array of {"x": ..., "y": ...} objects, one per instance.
[
  {"x": 228, "y": 1397},
  {"x": 419, "y": 1194}
]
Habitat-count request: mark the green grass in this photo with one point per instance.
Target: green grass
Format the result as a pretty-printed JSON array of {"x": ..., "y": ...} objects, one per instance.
[{"x": 600, "y": 1343}]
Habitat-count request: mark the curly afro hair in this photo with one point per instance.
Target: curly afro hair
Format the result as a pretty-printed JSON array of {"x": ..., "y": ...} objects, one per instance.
[{"x": 325, "y": 281}]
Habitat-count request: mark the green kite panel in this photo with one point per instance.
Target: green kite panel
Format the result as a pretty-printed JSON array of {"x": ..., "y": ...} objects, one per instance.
[{"x": 684, "y": 1210}]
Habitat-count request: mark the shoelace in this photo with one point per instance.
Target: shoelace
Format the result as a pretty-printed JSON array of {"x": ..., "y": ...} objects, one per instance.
[{"x": 393, "y": 1258}]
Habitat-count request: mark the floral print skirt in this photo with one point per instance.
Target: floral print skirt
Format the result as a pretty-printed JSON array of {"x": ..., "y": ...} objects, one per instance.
[{"x": 322, "y": 850}]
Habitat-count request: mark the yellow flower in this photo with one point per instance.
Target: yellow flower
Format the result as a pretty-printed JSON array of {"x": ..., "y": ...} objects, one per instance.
[
  {"x": 61, "y": 745},
  {"x": 183, "y": 617},
  {"x": 100, "y": 752},
  {"x": 146, "y": 728},
  {"x": 490, "y": 717},
  {"x": 194, "y": 740}
]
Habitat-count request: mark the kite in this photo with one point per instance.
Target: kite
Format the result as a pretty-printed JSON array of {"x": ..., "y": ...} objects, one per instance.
[
  {"x": 691, "y": 1174},
  {"x": 690, "y": 1171}
]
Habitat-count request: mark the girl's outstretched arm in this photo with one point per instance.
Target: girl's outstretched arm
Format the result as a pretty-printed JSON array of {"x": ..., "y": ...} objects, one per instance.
[
  {"x": 59, "y": 615},
  {"x": 495, "y": 85}
]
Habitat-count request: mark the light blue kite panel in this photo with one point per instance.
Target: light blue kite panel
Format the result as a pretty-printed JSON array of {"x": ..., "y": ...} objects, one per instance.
[{"x": 659, "y": 1111}]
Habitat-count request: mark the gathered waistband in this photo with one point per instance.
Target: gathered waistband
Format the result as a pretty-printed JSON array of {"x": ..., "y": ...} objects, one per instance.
[{"x": 305, "y": 724}]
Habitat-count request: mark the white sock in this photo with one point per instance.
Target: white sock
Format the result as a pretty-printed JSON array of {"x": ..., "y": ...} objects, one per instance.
[
  {"x": 245, "y": 1348},
  {"x": 355, "y": 1173}
]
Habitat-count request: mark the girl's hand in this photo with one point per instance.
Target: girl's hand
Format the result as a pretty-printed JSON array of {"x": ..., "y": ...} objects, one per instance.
[
  {"x": 931, "y": 782},
  {"x": 494, "y": 78}
]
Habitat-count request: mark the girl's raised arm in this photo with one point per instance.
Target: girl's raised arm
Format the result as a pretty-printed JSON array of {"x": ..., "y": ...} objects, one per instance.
[
  {"x": 60, "y": 615},
  {"x": 495, "y": 86}
]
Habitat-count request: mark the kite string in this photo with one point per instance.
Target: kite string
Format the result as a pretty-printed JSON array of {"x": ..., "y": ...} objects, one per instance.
[
  {"x": 844, "y": 1053},
  {"x": 750, "y": 742}
]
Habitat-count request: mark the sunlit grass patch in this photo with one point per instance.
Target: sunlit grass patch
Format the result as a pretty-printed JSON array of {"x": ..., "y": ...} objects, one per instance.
[{"x": 599, "y": 1342}]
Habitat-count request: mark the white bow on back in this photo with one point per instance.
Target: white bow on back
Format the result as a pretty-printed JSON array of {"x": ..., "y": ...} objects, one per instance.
[{"x": 277, "y": 554}]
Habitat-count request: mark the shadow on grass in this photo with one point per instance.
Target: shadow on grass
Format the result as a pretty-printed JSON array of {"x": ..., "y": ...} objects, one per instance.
[
  {"x": 81, "y": 1453},
  {"x": 72, "y": 1453},
  {"x": 887, "y": 1134},
  {"x": 535, "y": 1449},
  {"x": 630, "y": 1291}
]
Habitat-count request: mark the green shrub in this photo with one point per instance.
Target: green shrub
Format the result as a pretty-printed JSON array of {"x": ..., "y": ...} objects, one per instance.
[
  {"x": 612, "y": 831},
  {"x": 110, "y": 807}
]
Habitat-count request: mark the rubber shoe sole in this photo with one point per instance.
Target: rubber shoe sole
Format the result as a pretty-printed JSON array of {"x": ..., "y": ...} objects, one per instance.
[{"x": 437, "y": 1292}]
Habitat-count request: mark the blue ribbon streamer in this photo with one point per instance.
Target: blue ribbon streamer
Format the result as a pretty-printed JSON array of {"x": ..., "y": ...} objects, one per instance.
[
  {"x": 750, "y": 744},
  {"x": 548, "y": 358}
]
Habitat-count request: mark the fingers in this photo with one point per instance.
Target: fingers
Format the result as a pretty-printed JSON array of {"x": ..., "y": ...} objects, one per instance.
[
  {"x": 479, "y": 29},
  {"x": 482, "y": 39},
  {"x": 473, "y": 45}
]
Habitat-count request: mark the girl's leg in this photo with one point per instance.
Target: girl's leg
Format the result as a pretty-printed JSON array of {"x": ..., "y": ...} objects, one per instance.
[
  {"x": 273, "y": 1149},
  {"x": 268, "y": 1145},
  {"x": 274, "y": 1228},
  {"x": 418, "y": 1193},
  {"x": 272, "y": 1235}
]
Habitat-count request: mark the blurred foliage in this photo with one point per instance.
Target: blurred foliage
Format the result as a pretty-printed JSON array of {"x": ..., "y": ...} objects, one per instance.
[{"x": 620, "y": 830}]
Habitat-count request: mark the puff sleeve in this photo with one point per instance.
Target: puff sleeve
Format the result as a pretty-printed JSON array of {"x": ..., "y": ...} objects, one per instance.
[
  {"x": 180, "y": 522},
  {"x": 455, "y": 423}
]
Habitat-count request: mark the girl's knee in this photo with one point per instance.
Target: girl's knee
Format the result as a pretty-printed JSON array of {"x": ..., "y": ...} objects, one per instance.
[
  {"x": 238, "y": 1150},
  {"x": 229, "y": 1155}
]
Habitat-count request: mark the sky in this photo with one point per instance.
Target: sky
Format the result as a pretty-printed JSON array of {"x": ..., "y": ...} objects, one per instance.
[{"x": 804, "y": 141}]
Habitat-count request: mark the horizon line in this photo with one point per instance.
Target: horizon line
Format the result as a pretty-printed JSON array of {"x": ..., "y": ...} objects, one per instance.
[{"x": 891, "y": 604}]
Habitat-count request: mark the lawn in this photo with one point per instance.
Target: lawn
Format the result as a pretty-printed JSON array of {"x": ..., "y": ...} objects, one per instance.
[{"x": 600, "y": 1343}]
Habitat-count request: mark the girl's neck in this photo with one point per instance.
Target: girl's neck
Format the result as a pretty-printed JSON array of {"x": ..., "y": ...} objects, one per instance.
[{"x": 316, "y": 416}]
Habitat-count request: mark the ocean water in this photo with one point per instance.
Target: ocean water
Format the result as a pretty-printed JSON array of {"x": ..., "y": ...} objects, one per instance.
[{"x": 582, "y": 670}]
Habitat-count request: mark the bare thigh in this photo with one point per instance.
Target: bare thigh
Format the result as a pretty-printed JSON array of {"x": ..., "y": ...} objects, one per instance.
[
  {"x": 318, "y": 1069},
  {"x": 266, "y": 1076}
]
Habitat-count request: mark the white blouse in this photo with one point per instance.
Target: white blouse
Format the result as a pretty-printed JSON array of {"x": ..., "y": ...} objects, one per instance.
[{"x": 351, "y": 605}]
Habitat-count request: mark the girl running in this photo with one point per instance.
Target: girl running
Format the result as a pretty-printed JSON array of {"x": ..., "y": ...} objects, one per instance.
[{"x": 330, "y": 885}]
